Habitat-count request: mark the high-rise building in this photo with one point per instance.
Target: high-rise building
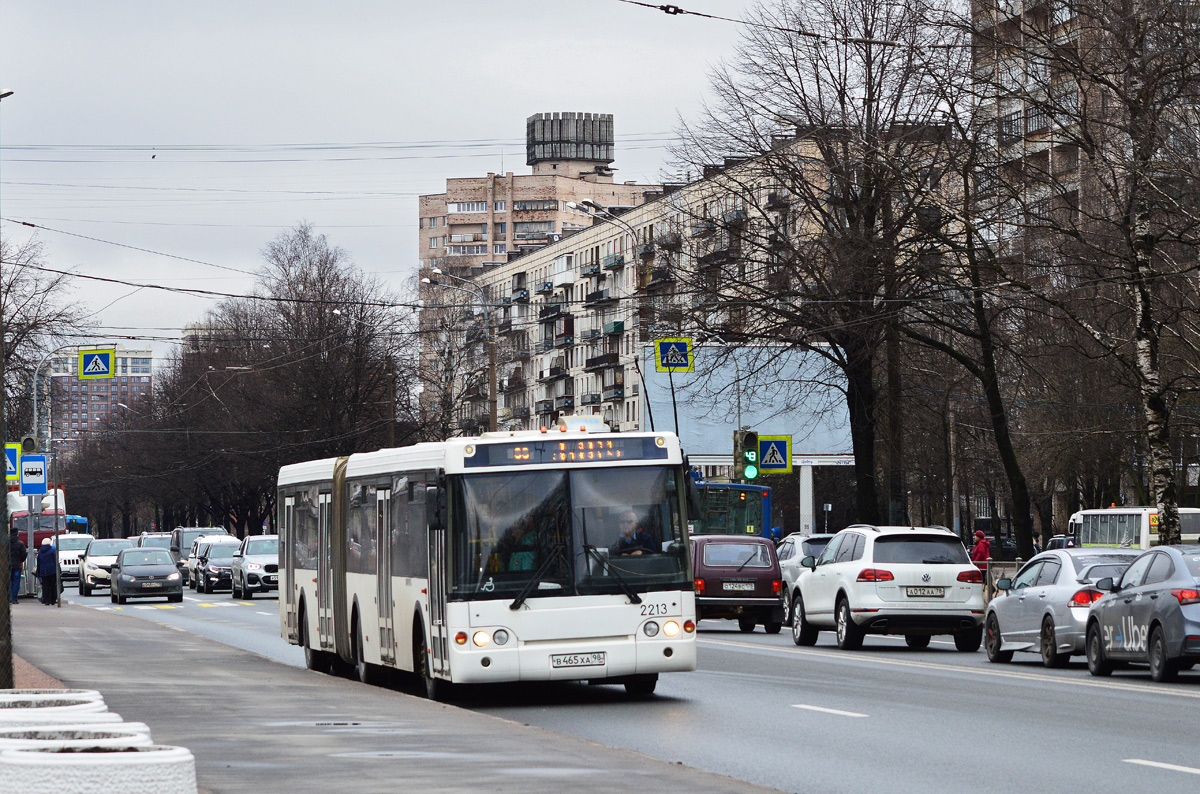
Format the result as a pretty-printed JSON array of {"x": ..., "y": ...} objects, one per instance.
[{"x": 79, "y": 408}]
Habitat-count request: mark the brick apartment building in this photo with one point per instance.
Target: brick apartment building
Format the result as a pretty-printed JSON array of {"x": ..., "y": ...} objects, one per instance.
[{"x": 79, "y": 408}]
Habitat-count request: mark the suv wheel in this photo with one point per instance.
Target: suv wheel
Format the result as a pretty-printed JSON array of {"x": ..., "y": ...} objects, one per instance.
[
  {"x": 968, "y": 640},
  {"x": 803, "y": 632},
  {"x": 787, "y": 607},
  {"x": 746, "y": 624},
  {"x": 1049, "y": 646},
  {"x": 1097, "y": 664},
  {"x": 917, "y": 642},
  {"x": 849, "y": 635},
  {"x": 84, "y": 590}
]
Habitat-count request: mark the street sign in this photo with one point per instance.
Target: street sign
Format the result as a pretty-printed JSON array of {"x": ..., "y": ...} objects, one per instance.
[
  {"x": 673, "y": 355},
  {"x": 96, "y": 364},
  {"x": 33, "y": 475},
  {"x": 775, "y": 454},
  {"x": 12, "y": 459}
]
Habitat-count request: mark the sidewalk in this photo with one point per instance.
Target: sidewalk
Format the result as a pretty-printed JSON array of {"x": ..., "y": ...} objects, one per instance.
[{"x": 253, "y": 724}]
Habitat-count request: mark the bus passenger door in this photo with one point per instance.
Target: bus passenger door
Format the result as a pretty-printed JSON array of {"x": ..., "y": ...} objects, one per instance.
[
  {"x": 287, "y": 583},
  {"x": 324, "y": 573},
  {"x": 383, "y": 556},
  {"x": 438, "y": 636}
]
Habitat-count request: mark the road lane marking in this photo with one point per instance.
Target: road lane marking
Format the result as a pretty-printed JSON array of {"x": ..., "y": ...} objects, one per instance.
[
  {"x": 268, "y": 614},
  {"x": 1173, "y": 692},
  {"x": 838, "y": 712},
  {"x": 1160, "y": 765}
]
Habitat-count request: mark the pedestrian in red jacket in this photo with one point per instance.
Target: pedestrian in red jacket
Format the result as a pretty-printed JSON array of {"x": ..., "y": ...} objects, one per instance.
[{"x": 983, "y": 547}]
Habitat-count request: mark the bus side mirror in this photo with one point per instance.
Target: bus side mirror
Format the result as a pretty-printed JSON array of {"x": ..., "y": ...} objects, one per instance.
[
  {"x": 435, "y": 507},
  {"x": 694, "y": 508}
]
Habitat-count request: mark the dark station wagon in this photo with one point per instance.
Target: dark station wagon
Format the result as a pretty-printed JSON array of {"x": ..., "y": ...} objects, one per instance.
[{"x": 737, "y": 578}]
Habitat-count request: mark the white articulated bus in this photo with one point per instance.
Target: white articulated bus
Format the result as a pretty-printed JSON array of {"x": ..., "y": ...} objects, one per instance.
[
  {"x": 1128, "y": 527},
  {"x": 537, "y": 555}
]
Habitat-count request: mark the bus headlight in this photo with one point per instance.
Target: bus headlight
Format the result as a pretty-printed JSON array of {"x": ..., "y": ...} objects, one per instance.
[
  {"x": 671, "y": 628},
  {"x": 500, "y": 637},
  {"x": 651, "y": 628},
  {"x": 481, "y": 638}
]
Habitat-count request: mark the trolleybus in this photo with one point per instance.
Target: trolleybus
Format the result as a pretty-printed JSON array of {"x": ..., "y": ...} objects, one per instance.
[
  {"x": 733, "y": 509},
  {"x": 1128, "y": 527},
  {"x": 513, "y": 556}
]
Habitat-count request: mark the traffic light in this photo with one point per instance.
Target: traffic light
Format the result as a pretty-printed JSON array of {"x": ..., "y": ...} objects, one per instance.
[{"x": 745, "y": 455}]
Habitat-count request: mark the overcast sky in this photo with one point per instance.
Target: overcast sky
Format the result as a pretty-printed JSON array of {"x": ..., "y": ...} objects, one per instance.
[{"x": 200, "y": 131}]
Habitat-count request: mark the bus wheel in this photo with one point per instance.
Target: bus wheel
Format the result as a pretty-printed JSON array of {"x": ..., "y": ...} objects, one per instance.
[
  {"x": 435, "y": 688},
  {"x": 366, "y": 672},
  {"x": 314, "y": 660},
  {"x": 642, "y": 685}
]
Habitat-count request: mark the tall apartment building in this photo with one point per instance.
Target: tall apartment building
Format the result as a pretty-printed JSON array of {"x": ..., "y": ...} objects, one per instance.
[{"x": 78, "y": 408}]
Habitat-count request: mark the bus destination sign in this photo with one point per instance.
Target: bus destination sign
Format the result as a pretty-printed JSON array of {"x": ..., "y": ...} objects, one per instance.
[{"x": 575, "y": 450}]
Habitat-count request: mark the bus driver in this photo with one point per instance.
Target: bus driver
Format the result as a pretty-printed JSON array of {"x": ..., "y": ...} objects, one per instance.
[{"x": 634, "y": 540}]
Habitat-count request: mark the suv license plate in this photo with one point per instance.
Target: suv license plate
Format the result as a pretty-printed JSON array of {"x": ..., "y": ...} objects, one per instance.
[
  {"x": 577, "y": 659},
  {"x": 741, "y": 586},
  {"x": 927, "y": 592}
]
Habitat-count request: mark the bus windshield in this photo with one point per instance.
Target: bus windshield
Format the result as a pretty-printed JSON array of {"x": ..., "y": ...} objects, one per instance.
[
  {"x": 729, "y": 511},
  {"x": 580, "y": 532}
]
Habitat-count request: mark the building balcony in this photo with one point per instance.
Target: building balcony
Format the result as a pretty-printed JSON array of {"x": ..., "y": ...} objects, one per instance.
[
  {"x": 734, "y": 217},
  {"x": 544, "y": 345},
  {"x": 603, "y": 361},
  {"x": 703, "y": 228},
  {"x": 613, "y": 261},
  {"x": 513, "y": 383},
  {"x": 544, "y": 288},
  {"x": 550, "y": 311},
  {"x": 715, "y": 257},
  {"x": 505, "y": 327},
  {"x": 545, "y": 406},
  {"x": 590, "y": 334},
  {"x": 517, "y": 354},
  {"x": 591, "y": 269},
  {"x": 552, "y": 374},
  {"x": 615, "y": 327},
  {"x": 599, "y": 298},
  {"x": 521, "y": 412},
  {"x": 614, "y": 393},
  {"x": 566, "y": 340},
  {"x": 564, "y": 279},
  {"x": 590, "y": 399},
  {"x": 566, "y": 402},
  {"x": 475, "y": 393},
  {"x": 660, "y": 276},
  {"x": 776, "y": 202},
  {"x": 468, "y": 238},
  {"x": 520, "y": 296}
]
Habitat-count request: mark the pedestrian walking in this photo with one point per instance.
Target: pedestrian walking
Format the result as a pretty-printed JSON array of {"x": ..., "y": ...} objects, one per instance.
[
  {"x": 47, "y": 571},
  {"x": 983, "y": 547},
  {"x": 16, "y": 560}
]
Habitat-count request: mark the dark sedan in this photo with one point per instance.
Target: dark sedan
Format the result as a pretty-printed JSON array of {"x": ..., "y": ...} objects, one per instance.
[
  {"x": 145, "y": 572},
  {"x": 1150, "y": 615}
]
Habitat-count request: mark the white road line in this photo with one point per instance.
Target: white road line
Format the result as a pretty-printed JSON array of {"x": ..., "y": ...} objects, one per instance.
[
  {"x": 838, "y": 712},
  {"x": 1094, "y": 683},
  {"x": 268, "y": 614},
  {"x": 1160, "y": 765}
]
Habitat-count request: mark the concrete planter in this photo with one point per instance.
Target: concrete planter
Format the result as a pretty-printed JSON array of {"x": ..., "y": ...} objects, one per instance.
[
  {"x": 43, "y": 737},
  {"x": 7, "y": 695},
  {"x": 17, "y": 718},
  {"x": 154, "y": 769}
]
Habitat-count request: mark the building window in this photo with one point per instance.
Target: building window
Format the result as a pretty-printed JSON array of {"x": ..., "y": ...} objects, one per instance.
[
  {"x": 500, "y": 249},
  {"x": 435, "y": 242},
  {"x": 501, "y": 228},
  {"x": 1010, "y": 127},
  {"x": 467, "y": 206},
  {"x": 528, "y": 206},
  {"x": 467, "y": 250},
  {"x": 498, "y": 206}
]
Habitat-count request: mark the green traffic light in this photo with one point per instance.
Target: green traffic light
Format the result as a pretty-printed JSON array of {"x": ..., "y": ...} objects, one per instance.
[{"x": 751, "y": 472}]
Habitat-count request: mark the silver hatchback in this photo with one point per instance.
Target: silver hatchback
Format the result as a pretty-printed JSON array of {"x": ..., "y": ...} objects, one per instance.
[{"x": 1044, "y": 608}]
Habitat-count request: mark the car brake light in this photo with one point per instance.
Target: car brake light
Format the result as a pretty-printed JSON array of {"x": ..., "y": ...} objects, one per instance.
[
  {"x": 1084, "y": 598},
  {"x": 973, "y": 576},
  {"x": 700, "y": 587},
  {"x": 776, "y": 587},
  {"x": 1188, "y": 596},
  {"x": 875, "y": 575}
]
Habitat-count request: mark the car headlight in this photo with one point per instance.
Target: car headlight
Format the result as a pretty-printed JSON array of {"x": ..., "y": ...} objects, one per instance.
[
  {"x": 174, "y": 577},
  {"x": 253, "y": 566},
  {"x": 213, "y": 569},
  {"x": 126, "y": 577}
]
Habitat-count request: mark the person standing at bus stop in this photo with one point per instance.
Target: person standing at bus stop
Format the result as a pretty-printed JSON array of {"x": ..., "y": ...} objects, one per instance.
[
  {"x": 16, "y": 561},
  {"x": 47, "y": 571}
]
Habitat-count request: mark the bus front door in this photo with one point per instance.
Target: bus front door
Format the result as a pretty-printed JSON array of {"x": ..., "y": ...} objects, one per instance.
[
  {"x": 324, "y": 573},
  {"x": 438, "y": 641},
  {"x": 383, "y": 556},
  {"x": 287, "y": 580}
]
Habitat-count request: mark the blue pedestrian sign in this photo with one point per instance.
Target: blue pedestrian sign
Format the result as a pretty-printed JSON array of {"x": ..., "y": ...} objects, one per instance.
[
  {"x": 673, "y": 355},
  {"x": 33, "y": 475},
  {"x": 95, "y": 364},
  {"x": 775, "y": 454},
  {"x": 12, "y": 458}
]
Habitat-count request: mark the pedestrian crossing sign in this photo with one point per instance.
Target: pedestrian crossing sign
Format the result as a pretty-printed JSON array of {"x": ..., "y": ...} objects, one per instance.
[
  {"x": 673, "y": 355},
  {"x": 96, "y": 364},
  {"x": 775, "y": 454},
  {"x": 12, "y": 461}
]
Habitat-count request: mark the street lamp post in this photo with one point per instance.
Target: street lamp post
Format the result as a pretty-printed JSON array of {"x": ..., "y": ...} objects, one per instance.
[{"x": 487, "y": 330}]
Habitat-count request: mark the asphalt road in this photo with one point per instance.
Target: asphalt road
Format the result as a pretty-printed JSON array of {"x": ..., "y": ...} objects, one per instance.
[{"x": 818, "y": 719}]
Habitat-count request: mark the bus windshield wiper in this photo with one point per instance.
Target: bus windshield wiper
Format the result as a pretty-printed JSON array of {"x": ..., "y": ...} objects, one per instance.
[
  {"x": 634, "y": 598},
  {"x": 537, "y": 576}
]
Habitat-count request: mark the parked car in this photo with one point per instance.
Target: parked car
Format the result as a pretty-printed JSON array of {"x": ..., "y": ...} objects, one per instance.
[
  {"x": 1061, "y": 542},
  {"x": 791, "y": 551},
  {"x": 914, "y": 581},
  {"x": 182, "y": 539},
  {"x": 256, "y": 566},
  {"x": 212, "y": 566},
  {"x": 95, "y": 564},
  {"x": 200, "y": 546},
  {"x": 1044, "y": 608},
  {"x": 70, "y": 549},
  {"x": 158, "y": 540},
  {"x": 139, "y": 572},
  {"x": 1150, "y": 615},
  {"x": 737, "y": 578}
]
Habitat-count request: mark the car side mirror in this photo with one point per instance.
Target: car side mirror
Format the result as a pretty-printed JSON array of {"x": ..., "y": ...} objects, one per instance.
[
  {"x": 1004, "y": 584},
  {"x": 1107, "y": 585},
  {"x": 809, "y": 562}
]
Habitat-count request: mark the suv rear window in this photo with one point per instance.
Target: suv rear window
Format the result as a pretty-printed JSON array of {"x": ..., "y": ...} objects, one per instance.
[
  {"x": 920, "y": 549},
  {"x": 752, "y": 555}
]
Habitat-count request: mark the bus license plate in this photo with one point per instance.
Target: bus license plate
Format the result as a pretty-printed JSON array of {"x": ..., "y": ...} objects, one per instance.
[
  {"x": 927, "y": 592},
  {"x": 577, "y": 659}
]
